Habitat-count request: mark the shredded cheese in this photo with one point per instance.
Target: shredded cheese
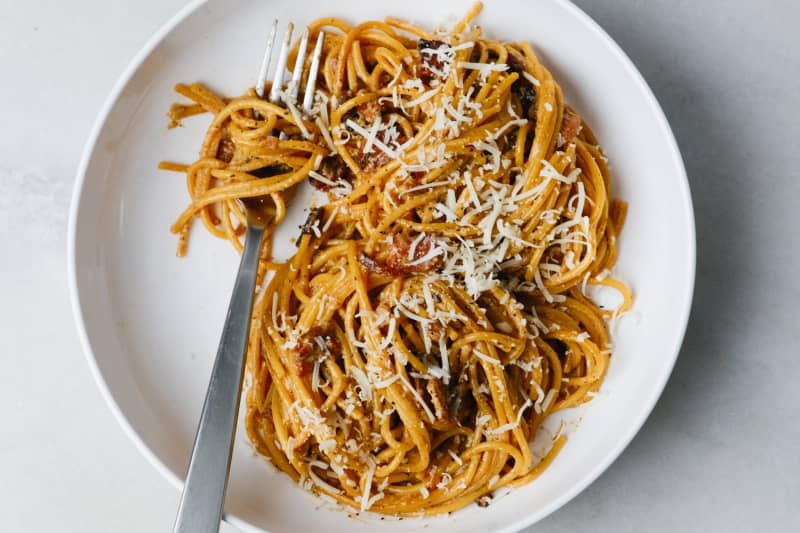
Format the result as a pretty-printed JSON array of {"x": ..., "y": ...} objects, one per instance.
[
  {"x": 365, "y": 388},
  {"x": 417, "y": 397},
  {"x": 484, "y": 68},
  {"x": 382, "y": 384},
  {"x": 424, "y": 97},
  {"x": 313, "y": 174},
  {"x": 512, "y": 425},
  {"x": 528, "y": 76},
  {"x": 371, "y": 138},
  {"x": 488, "y": 359},
  {"x": 326, "y": 134},
  {"x": 365, "y": 499}
]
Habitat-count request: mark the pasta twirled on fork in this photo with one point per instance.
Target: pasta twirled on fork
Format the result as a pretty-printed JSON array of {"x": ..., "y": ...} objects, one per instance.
[{"x": 434, "y": 313}]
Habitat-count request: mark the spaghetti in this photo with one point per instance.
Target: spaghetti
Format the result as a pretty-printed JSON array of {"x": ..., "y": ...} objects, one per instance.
[{"x": 434, "y": 313}]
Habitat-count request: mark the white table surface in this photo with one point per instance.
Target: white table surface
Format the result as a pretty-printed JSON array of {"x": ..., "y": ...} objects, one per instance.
[{"x": 719, "y": 453}]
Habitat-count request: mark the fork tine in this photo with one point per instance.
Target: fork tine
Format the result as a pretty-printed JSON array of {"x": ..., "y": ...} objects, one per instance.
[
  {"x": 299, "y": 62},
  {"x": 262, "y": 74},
  {"x": 311, "y": 84},
  {"x": 280, "y": 68}
]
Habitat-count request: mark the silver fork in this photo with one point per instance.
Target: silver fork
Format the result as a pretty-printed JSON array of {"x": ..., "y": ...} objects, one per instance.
[
  {"x": 294, "y": 83},
  {"x": 200, "y": 510}
]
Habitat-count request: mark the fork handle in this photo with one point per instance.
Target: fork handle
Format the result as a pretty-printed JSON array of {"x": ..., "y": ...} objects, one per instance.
[{"x": 203, "y": 495}]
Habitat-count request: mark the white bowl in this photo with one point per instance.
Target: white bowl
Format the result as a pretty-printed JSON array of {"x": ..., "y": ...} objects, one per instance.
[{"x": 150, "y": 322}]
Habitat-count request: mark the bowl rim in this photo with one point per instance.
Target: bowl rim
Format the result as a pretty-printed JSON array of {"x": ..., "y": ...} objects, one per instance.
[{"x": 589, "y": 476}]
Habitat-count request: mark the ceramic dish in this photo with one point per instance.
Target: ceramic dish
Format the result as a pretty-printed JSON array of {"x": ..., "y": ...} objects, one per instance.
[{"x": 150, "y": 322}]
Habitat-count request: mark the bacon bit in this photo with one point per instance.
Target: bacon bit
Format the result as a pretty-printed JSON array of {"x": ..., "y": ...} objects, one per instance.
[
  {"x": 484, "y": 501},
  {"x": 416, "y": 177},
  {"x": 571, "y": 125},
  {"x": 436, "y": 393},
  {"x": 393, "y": 260},
  {"x": 301, "y": 447},
  {"x": 352, "y": 475},
  {"x": 429, "y": 61},
  {"x": 374, "y": 160},
  {"x": 307, "y": 346},
  {"x": 398, "y": 254},
  {"x": 369, "y": 163},
  {"x": 435, "y": 330},
  {"x": 304, "y": 346},
  {"x": 401, "y": 139},
  {"x": 299, "y": 354},
  {"x": 370, "y": 110},
  {"x": 423, "y": 248},
  {"x": 335, "y": 169},
  {"x": 225, "y": 150},
  {"x": 301, "y": 366},
  {"x": 397, "y": 251}
]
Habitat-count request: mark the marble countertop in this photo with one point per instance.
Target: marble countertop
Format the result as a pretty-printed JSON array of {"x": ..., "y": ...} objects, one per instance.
[{"x": 720, "y": 451}]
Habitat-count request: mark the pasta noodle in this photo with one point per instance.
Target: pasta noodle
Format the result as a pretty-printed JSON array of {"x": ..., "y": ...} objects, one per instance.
[{"x": 434, "y": 313}]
